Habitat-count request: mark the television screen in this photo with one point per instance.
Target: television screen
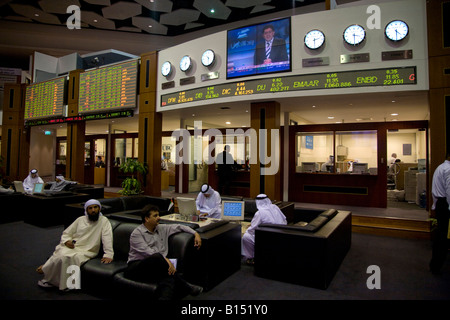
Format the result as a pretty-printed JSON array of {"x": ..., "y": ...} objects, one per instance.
[
  {"x": 259, "y": 49},
  {"x": 45, "y": 99},
  {"x": 232, "y": 210},
  {"x": 109, "y": 87}
]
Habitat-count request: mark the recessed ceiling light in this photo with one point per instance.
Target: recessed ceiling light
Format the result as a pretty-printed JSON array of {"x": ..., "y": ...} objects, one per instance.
[
  {"x": 150, "y": 26},
  {"x": 36, "y": 14},
  {"x": 212, "y": 10},
  {"x": 313, "y": 106},
  {"x": 393, "y": 100},
  {"x": 394, "y": 114},
  {"x": 330, "y": 117},
  {"x": 228, "y": 122},
  {"x": 95, "y": 20}
]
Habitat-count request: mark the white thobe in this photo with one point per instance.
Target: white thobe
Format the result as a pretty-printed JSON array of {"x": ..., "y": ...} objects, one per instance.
[
  {"x": 210, "y": 205},
  {"x": 88, "y": 236},
  {"x": 29, "y": 182},
  {"x": 270, "y": 213}
]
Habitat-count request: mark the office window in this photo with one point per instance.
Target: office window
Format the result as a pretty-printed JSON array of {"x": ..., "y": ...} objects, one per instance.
[
  {"x": 313, "y": 151},
  {"x": 356, "y": 152}
]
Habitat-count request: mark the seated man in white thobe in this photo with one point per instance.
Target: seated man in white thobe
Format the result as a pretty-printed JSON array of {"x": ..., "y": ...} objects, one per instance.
[
  {"x": 59, "y": 184},
  {"x": 208, "y": 202},
  {"x": 267, "y": 213},
  {"x": 31, "y": 180},
  {"x": 79, "y": 243}
]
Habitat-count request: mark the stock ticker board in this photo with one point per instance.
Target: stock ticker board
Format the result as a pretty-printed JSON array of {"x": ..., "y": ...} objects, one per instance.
[
  {"x": 330, "y": 80},
  {"x": 110, "y": 87},
  {"x": 45, "y": 99}
]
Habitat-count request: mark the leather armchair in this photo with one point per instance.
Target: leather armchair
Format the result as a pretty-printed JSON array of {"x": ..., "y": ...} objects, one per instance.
[{"x": 308, "y": 255}]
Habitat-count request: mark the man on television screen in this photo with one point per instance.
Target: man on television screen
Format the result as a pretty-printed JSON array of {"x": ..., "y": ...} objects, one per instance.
[{"x": 272, "y": 49}]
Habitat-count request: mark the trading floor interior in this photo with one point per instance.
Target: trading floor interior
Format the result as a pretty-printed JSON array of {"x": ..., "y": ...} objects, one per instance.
[{"x": 392, "y": 233}]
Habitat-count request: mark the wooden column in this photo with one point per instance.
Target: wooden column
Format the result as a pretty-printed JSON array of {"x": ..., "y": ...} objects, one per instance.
[
  {"x": 76, "y": 132},
  {"x": 150, "y": 125},
  {"x": 439, "y": 75},
  {"x": 15, "y": 137},
  {"x": 266, "y": 115}
]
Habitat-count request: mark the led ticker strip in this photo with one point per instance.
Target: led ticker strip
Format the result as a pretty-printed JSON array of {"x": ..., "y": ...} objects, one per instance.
[
  {"x": 332, "y": 80},
  {"x": 82, "y": 117},
  {"x": 45, "y": 99},
  {"x": 110, "y": 87}
]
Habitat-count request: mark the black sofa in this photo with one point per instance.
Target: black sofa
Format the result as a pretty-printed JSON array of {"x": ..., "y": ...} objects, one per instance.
[
  {"x": 127, "y": 208},
  {"x": 307, "y": 252},
  {"x": 217, "y": 259},
  {"x": 107, "y": 280}
]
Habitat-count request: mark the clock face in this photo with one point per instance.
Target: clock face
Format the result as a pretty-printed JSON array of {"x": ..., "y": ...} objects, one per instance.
[
  {"x": 396, "y": 30},
  {"x": 354, "y": 34},
  {"x": 166, "y": 68},
  {"x": 208, "y": 58},
  {"x": 185, "y": 63},
  {"x": 314, "y": 39}
]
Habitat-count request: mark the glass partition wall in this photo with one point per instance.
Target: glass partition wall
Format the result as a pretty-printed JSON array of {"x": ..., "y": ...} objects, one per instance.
[{"x": 337, "y": 152}]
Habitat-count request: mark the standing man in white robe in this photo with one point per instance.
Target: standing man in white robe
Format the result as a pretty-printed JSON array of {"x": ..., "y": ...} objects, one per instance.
[
  {"x": 31, "y": 180},
  {"x": 208, "y": 202},
  {"x": 79, "y": 243},
  {"x": 267, "y": 213}
]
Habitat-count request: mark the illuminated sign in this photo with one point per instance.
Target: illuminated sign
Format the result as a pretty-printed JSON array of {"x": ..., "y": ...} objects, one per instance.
[
  {"x": 45, "y": 99},
  {"x": 331, "y": 80},
  {"x": 110, "y": 87}
]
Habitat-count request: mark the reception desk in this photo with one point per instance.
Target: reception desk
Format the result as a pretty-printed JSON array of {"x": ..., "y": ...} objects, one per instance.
[{"x": 99, "y": 176}]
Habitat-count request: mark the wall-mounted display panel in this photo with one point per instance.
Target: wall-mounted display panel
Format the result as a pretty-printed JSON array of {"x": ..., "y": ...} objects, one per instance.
[
  {"x": 45, "y": 99},
  {"x": 333, "y": 80},
  {"x": 109, "y": 87},
  {"x": 259, "y": 49}
]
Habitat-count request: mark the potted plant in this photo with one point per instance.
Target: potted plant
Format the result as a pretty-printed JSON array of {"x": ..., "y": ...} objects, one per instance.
[{"x": 132, "y": 185}]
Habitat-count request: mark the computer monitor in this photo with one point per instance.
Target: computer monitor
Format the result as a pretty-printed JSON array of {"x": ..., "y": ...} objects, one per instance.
[
  {"x": 186, "y": 206},
  {"x": 19, "y": 186},
  {"x": 232, "y": 210},
  {"x": 38, "y": 188},
  {"x": 309, "y": 167},
  {"x": 359, "y": 167}
]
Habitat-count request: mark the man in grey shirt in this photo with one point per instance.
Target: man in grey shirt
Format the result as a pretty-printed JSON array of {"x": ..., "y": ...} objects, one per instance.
[{"x": 147, "y": 259}]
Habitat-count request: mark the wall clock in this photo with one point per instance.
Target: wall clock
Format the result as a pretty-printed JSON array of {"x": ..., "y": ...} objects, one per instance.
[
  {"x": 354, "y": 34},
  {"x": 396, "y": 30},
  {"x": 166, "y": 68},
  {"x": 185, "y": 63},
  {"x": 208, "y": 58},
  {"x": 314, "y": 39}
]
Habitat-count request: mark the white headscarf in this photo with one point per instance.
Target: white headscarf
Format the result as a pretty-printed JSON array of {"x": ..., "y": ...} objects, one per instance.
[
  {"x": 90, "y": 203},
  {"x": 268, "y": 212}
]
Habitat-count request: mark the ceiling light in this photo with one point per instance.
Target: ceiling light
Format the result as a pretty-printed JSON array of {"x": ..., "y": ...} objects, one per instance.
[
  {"x": 313, "y": 106},
  {"x": 212, "y": 10},
  {"x": 36, "y": 14},
  {"x": 330, "y": 117},
  {"x": 95, "y": 20},
  {"x": 228, "y": 122},
  {"x": 393, "y": 100},
  {"x": 150, "y": 26},
  {"x": 394, "y": 114}
]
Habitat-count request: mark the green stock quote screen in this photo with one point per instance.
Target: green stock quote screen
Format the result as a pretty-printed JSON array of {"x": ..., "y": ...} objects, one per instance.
[
  {"x": 330, "y": 80},
  {"x": 109, "y": 87},
  {"x": 45, "y": 99}
]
